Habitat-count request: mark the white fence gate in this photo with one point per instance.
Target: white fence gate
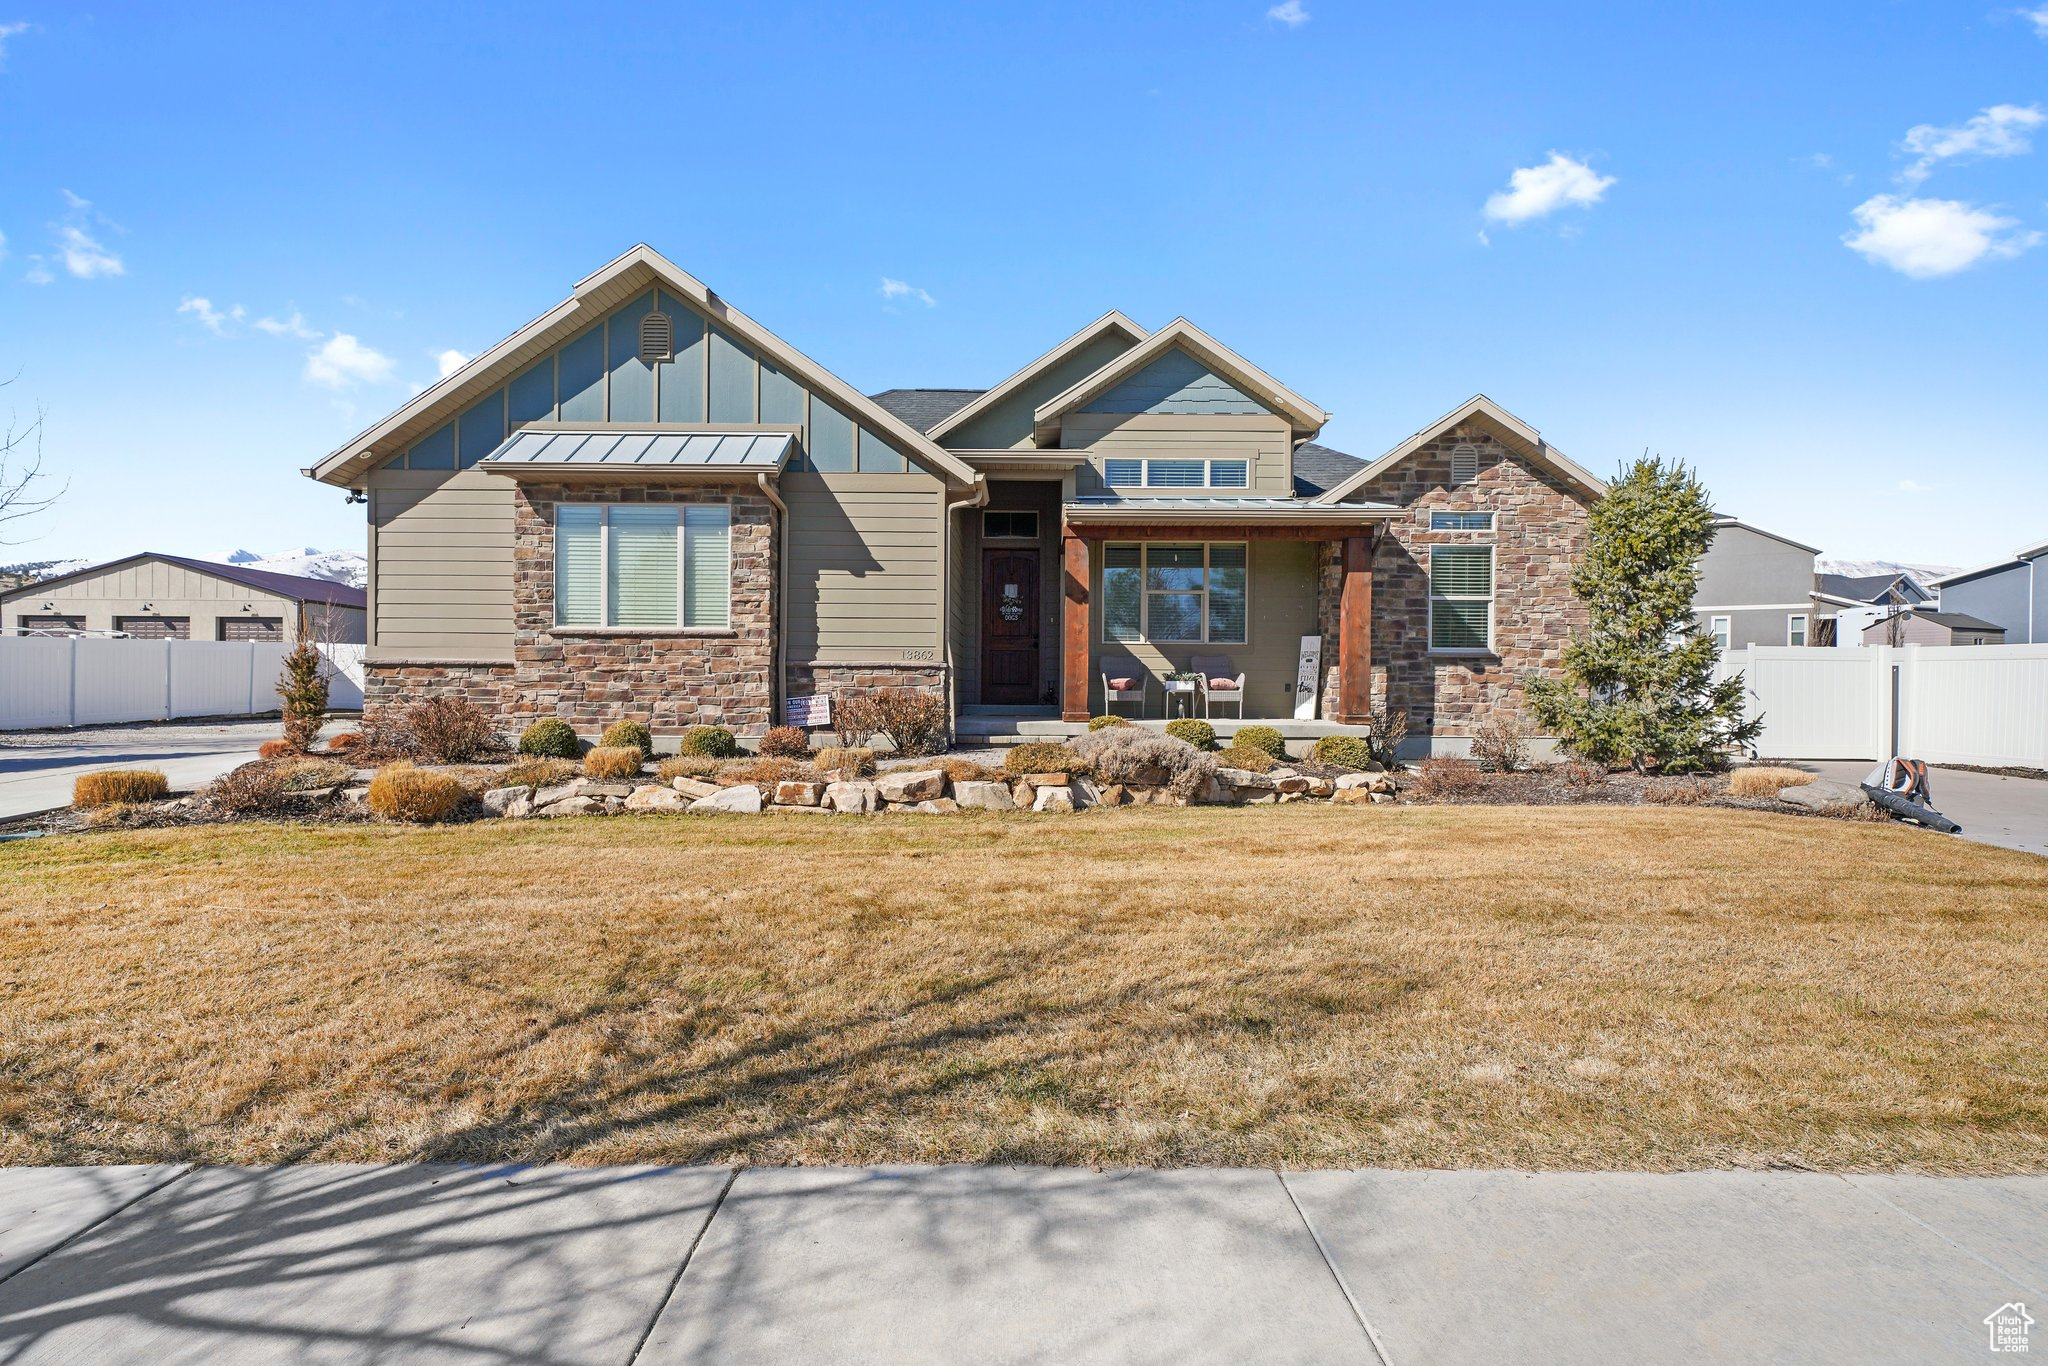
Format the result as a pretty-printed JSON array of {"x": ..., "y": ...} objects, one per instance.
[
  {"x": 97, "y": 680},
  {"x": 1975, "y": 704}
]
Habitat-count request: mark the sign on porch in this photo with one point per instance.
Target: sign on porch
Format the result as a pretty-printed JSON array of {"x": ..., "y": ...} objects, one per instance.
[
  {"x": 807, "y": 711},
  {"x": 1308, "y": 679}
]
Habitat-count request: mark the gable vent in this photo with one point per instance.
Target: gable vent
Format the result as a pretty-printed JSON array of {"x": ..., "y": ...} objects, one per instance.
[
  {"x": 657, "y": 339},
  {"x": 1464, "y": 464}
]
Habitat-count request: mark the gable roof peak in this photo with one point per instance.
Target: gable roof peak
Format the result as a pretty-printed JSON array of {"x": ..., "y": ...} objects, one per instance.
[
  {"x": 1112, "y": 323},
  {"x": 1514, "y": 433}
]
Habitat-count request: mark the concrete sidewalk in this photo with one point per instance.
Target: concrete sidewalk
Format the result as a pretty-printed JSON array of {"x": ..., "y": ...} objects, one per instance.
[
  {"x": 37, "y": 768},
  {"x": 2011, "y": 813},
  {"x": 1005, "y": 1264}
]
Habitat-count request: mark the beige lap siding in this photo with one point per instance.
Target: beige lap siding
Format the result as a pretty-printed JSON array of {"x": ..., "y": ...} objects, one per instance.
[{"x": 1539, "y": 533}]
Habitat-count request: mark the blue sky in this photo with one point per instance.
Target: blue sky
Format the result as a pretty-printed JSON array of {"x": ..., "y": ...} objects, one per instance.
[{"x": 1796, "y": 246}]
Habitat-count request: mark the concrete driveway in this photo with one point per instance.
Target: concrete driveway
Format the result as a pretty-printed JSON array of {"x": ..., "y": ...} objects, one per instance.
[
  {"x": 2011, "y": 813},
  {"x": 37, "y": 767},
  {"x": 1006, "y": 1264}
]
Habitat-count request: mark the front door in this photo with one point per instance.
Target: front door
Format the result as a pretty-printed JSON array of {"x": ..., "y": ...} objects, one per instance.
[{"x": 1009, "y": 627}]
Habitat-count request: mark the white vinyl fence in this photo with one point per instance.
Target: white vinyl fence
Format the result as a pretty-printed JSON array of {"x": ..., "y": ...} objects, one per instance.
[
  {"x": 94, "y": 680},
  {"x": 1975, "y": 704}
]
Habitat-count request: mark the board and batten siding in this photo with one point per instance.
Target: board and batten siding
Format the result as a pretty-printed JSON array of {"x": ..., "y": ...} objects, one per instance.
[
  {"x": 440, "y": 566},
  {"x": 1008, "y": 423},
  {"x": 173, "y": 591},
  {"x": 863, "y": 566},
  {"x": 1262, "y": 439}
]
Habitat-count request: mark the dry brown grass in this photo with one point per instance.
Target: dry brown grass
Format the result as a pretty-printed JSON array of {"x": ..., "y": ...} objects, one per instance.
[
  {"x": 1765, "y": 781},
  {"x": 1577, "y": 988},
  {"x": 401, "y": 792},
  {"x": 119, "y": 786},
  {"x": 613, "y": 761}
]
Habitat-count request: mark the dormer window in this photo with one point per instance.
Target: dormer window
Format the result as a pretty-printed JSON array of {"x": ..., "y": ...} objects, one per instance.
[{"x": 657, "y": 339}]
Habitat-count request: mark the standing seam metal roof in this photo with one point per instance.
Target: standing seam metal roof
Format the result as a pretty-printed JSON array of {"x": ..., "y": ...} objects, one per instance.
[{"x": 699, "y": 450}]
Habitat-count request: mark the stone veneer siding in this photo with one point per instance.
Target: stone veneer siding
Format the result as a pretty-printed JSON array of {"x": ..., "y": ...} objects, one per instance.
[
  {"x": 669, "y": 678},
  {"x": 862, "y": 680},
  {"x": 1539, "y": 534}
]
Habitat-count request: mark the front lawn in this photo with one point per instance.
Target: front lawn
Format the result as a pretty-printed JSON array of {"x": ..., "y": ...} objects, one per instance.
[{"x": 1302, "y": 985}]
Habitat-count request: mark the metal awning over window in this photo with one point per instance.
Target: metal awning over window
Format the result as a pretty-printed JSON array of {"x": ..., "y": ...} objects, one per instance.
[{"x": 558, "y": 450}]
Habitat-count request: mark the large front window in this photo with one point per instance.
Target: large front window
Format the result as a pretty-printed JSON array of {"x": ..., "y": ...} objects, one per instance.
[
  {"x": 1168, "y": 593},
  {"x": 641, "y": 565},
  {"x": 1461, "y": 598}
]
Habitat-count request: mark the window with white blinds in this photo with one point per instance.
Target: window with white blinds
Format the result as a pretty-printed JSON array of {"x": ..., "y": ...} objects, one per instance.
[
  {"x": 639, "y": 565},
  {"x": 1461, "y": 598},
  {"x": 1176, "y": 474},
  {"x": 1174, "y": 593}
]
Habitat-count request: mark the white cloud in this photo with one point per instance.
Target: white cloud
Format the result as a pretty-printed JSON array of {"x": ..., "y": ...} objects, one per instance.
[
  {"x": 9, "y": 31},
  {"x": 897, "y": 289},
  {"x": 449, "y": 361},
  {"x": 1929, "y": 238},
  {"x": 342, "y": 362},
  {"x": 3, "y": 246},
  {"x": 1914, "y": 486},
  {"x": 37, "y": 273},
  {"x": 2039, "y": 19},
  {"x": 84, "y": 257},
  {"x": 1288, "y": 12},
  {"x": 294, "y": 326},
  {"x": 2000, "y": 131},
  {"x": 214, "y": 319},
  {"x": 1534, "y": 191}
]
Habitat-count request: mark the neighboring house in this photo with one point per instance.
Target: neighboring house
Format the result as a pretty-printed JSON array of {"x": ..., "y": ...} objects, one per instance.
[
  {"x": 168, "y": 596},
  {"x": 643, "y": 503},
  {"x": 1854, "y": 602},
  {"x": 2011, "y": 593},
  {"x": 1756, "y": 588},
  {"x": 1921, "y": 626}
]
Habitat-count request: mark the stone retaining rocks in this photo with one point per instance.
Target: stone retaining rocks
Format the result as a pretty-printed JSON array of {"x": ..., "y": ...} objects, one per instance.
[
  {"x": 694, "y": 788},
  {"x": 911, "y": 785},
  {"x": 499, "y": 798},
  {"x": 1051, "y": 798},
  {"x": 1823, "y": 794},
  {"x": 742, "y": 800},
  {"x": 799, "y": 794},
  {"x": 984, "y": 796},
  {"x": 657, "y": 799},
  {"x": 857, "y": 797}
]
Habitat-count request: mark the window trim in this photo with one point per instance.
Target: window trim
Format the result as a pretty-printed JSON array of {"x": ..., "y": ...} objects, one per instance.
[
  {"x": 1805, "y": 629},
  {"x": 1492, "y": 593},
  {"x": 1037, "y": 524},
  {"x": 1721, "y": 630},
  {"x": 684, "y": 540},
  {"x": 1208, "y": 464},
  {"x": 1145, "y": 594},
  {"x": 1435, "y": 513}
]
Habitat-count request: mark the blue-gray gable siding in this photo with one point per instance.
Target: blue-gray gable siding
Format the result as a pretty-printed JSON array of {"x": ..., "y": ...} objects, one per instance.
[
  {"x": 2001, "y": 597},
  {"x": 1175, "y": 383}
]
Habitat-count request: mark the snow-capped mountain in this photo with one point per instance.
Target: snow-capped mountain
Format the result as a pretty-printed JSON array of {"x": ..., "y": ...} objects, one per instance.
[
  {"x": 340, "y": 566},
  {"x": 1924, "y": 574}
]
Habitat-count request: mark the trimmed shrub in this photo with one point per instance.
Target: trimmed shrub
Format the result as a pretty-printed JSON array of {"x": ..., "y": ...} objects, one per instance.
[
  {"x": 788, "y": 742},
  {"x": 1250, "y": 760},
  {"x": 1582, "y": 774},
  {"x": 629, "y": 733},
  {"x": 858, "y": 762},
  {"x": 453, "y": 730},
  {"x": 1446, "y": 777},
  {"x": 1043, "y": 756},
  {"x": 767, "y": 769},
  {"x": 911, "y": 720},
  {"x": 1345, "y": 751},
  {"x": 699, "y": 766},
  {"x": 119, "y": 785},
  {"x": 254, "y": 789},
  {"x": 1200, "y": 734},
  {"x": 538, "y": 773},
  {"x": 1501, "y": 746},
  {"x": 1389, "y": 727},
  {"x": 401, "y": 792},
  {"x": 1765, "y": 781},
  {"x": 1130, "y": 754},
  {"x": 276, "y": 749},
  {"x": 1104, "y": 722},
  {"x": 550, "y": 739},
  {"x": 1261, "y": 737},
  {"x": 712, "y": 742},
  {"x": 613, "y": 761}
]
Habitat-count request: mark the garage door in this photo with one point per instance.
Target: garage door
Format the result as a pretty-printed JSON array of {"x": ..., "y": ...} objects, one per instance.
[
  {"x": 155, "y": 628},
  {"x": 53, "y": 626},
  {"x": 252, "y": 628}
]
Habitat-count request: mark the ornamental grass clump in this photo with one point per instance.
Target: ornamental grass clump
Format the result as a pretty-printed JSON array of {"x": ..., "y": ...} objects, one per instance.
[
  {"x": 1250, "y": 760},
  {"x": 710, "y": 742},
  {"x": 1200, "y": 734},
  {"x": 1104, "y": 722},
  {"x": 788, "y": 742},
  {"x": 855, "y": 763},
  {"x": 1260, "y": 737},
  {"x": 119, "y": 785},
  {"x": 701, "y": 767},
  {"x": 1128, "y": 754},
  {"x": 550, "y": 739},
  {"x": 419, "y": 796},
  {"x": 1044, "y": 756},
  {"x": 764, "y": 770},
  {"x": 629, "y": 733},
  {"x": 1766, "y": 780},
  {"x": 613, "y": 761},
  {"x": 1344, "y": 751},
  {"x": 539, "y": 773}
]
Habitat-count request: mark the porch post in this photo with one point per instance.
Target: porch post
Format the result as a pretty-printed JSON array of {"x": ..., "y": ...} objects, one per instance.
[
  {"x": 1074, "y": 636},
  {"x": 1354, "y": 632}
]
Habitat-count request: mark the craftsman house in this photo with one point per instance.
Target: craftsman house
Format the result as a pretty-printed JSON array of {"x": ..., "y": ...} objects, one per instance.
[{"x": 643, "y": 503}]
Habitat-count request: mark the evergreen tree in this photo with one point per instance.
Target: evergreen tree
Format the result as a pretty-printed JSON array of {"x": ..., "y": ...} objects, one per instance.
[
  {"x": 302, "y": 688},
  {"x": 1639, "y": 688}
]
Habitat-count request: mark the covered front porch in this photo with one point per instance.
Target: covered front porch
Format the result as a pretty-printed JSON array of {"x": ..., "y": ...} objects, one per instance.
[{"x": 1270, "y": 594}]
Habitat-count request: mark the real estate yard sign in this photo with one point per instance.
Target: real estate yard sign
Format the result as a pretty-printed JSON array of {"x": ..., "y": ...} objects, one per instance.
[{"x": 807, "y": 711}]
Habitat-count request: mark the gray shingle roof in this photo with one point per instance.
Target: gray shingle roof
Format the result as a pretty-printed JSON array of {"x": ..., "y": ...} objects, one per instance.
[
  {"x": 1870, "y": 588},
  {"x": 925, "y": 409},
  {"x": 1955, "y": 621},
  {"x": 1318, "y": 469}
]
